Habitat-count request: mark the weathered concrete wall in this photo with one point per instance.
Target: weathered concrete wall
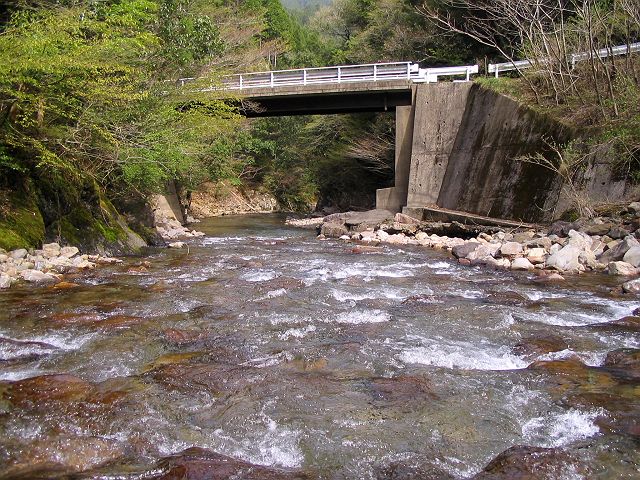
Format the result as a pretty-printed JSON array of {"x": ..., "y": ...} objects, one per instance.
[
  {"x": 465, "y": 154},
  {"x": 485, "y": 175},
  {"x": 439, "y": 111}
]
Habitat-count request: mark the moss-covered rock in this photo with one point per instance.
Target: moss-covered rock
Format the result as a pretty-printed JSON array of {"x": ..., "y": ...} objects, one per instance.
[
  {"x": 93, "y": 224},
  {"x": 21, "y": 224},
  {"x": 37, "y": 208}
]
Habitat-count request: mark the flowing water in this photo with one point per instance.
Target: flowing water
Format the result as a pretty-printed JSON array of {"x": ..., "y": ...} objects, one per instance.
[{"x": 265, "y": 344}]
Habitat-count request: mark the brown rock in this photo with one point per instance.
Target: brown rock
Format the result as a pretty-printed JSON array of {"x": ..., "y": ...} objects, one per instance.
[
  {"x": 61, "y": 455},
  {"x": 507, "y": 298},
  {"x": 403, "y": 471},
  {"x": 217, "y": 378},
  {"x": 74, "y": 318},
  {"x": 65, "y": 285},
  {"x": 461, "y": 251},
  {"x": 201, "y": 464},
  {"x": 527, "y": 463},
  {"x": 333, "y": 230},
  {"x": 402, "y": 389},
  {"x": 624, "y": 358},
  {"x": 539, "y": 345}
]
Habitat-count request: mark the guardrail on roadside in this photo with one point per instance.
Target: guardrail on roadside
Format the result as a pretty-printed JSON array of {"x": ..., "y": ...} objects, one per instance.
[
  {"x": 374, "y": 72},
  {"x": 574, "y": 58}
]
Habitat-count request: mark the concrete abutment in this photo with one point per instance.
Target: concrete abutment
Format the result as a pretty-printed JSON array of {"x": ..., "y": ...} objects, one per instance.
[{"x": 464, "y": 153}]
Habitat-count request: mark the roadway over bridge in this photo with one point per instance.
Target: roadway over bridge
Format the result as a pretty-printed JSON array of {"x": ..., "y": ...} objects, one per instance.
[{"x": 328, "y": 90}]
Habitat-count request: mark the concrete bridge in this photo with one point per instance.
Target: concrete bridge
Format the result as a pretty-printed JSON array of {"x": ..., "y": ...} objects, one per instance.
[{"x": 457, "y": 144}]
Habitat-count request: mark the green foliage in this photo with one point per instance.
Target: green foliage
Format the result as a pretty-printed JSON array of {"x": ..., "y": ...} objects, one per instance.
[{"x": 187, "y": 36}]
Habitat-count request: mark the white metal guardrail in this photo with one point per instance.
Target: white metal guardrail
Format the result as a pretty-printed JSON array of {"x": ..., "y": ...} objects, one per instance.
[
  {"x": 574, "y": 58},
  {"x": 338, "y": 74}
]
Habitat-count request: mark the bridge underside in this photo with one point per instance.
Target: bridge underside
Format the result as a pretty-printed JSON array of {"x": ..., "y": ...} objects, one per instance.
[
  {"x": 325, "y": 99},
  {"x": 325, "y": 104}
]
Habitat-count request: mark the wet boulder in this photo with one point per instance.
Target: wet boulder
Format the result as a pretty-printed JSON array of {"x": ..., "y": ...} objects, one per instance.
[
  {"x": 46, "y": 391},
  {"x": 333, "y": 230},
  {"x": 627, "y": 359},
  {"x": 462, "y": 251},
  {"x": 535, "y": 346},
  {"x": 628, "y": 323},
  {"x": 53, "y": 458},
  {"x": 506, "y": 298},
  {"x": 215, "y": 378},
  {"x": 202, "y": 464},
  {"x": 403, "y": 389},
  {"x": 21, "y": 350},
  {"x": 528, "y": 463},
  {"x": 406, "y": 471}
]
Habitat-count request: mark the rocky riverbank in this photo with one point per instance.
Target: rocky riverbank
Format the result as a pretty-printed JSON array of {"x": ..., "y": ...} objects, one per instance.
[
  {"x": 608, "y": 245},
  {"x": 45, "y": 265}
]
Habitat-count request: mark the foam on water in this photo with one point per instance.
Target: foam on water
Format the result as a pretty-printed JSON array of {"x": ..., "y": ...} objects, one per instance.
[
  {"x": 592, "y": 359},
  {"x": 463, "y": 356},
  {"x": 344, "y": 296},
  {"x": 21, "y": 374},
  {"x": 273, "y": 294},
  {"x": 218, "y": 240},
  {"x": 325, "y": 271},
  {"x": 356, "y": 317},
  {"x": 259, "y": 276},
  {"x": 9, "y": 351},
  {"x": 559, "y": 429},
  {"x": 297, "y": 332}
]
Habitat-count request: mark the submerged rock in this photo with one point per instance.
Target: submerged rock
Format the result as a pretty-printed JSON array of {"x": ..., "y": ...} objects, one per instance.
[
  {"x": 627, "y": 359},
  {"x": 52, "y": 458},
  {"x": 528, "y": 463},
  {"x": 539, "y": 345},
  {"x": 405, "y": 471},
  {"x": 401, "y": 389},
  {"x": 201, "y": 464}
]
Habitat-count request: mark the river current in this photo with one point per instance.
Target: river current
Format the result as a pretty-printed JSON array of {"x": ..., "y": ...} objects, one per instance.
[{"x": 265, "y": 344}]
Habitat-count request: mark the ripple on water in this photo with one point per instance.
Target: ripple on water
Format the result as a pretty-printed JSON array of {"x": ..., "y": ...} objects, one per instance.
[
  {"x": 259, "y": 276},
  {"x": 463, "y": 356},
  {"x": 560, "y": 429}
]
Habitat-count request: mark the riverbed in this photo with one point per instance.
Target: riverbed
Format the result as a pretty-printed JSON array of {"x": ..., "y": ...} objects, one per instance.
[{"x": 265, "y": 344}]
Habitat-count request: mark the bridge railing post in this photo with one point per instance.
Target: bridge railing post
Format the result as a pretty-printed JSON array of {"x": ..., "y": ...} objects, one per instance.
[
  {"x": 271, "y": 78},
  {"x": 375, "y": 73},
  {"x": 304, "y": 76},
  {"x": 240, "y": 81},
  {"x": 339, "y": 74},
  {"x": 408, "y": 71}
]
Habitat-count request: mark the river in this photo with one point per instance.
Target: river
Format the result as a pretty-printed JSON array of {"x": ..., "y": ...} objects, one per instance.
[{"x": 262, "y": 343}]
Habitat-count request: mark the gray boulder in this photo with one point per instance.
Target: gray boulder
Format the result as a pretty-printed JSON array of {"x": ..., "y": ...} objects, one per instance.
[
  {"x": 334, "y": 230},
  {"x": 618, "y": 252},
  {"x": 462, "y": 251},
  {"x": 5, "y": 281},
  {"x": 632, "y": 286},
  {"x": 567, "y": 259},
  {"x": 510, "y": 249},
  {"x": 622, "y": 269},
  {"x": 632, "y": 256}
]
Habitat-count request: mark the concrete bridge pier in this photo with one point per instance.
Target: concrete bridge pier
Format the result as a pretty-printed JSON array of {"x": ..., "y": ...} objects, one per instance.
[{"x": 395, "y": 198}]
